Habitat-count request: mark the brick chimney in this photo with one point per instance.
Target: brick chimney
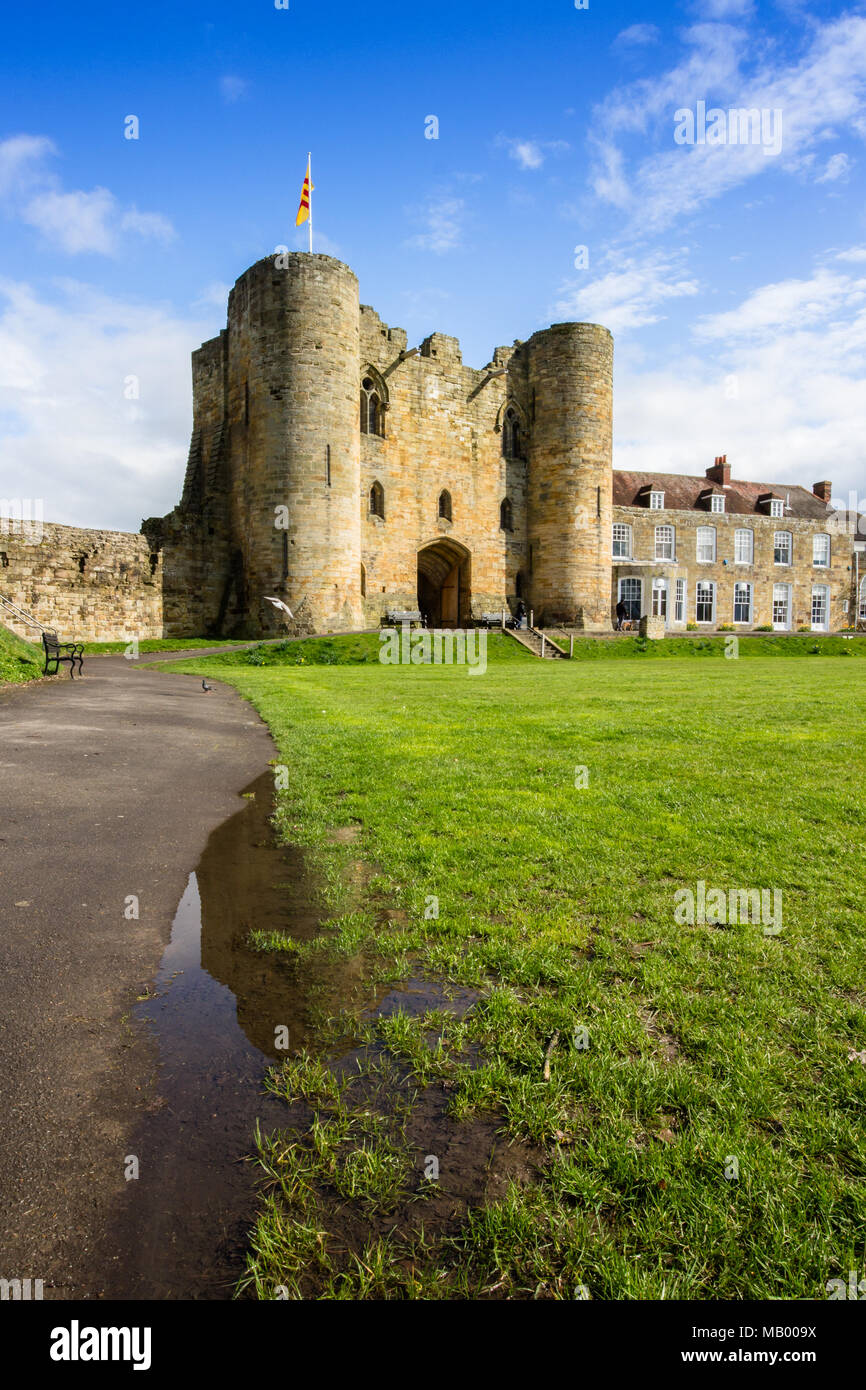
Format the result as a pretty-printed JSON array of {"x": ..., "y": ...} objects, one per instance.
[
  {"x": 823, "y": 490},
  {"x": 720, "y": 471}
]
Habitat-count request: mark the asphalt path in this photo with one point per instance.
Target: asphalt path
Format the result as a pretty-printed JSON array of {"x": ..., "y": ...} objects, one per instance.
[{"x": 109, "y": 788}]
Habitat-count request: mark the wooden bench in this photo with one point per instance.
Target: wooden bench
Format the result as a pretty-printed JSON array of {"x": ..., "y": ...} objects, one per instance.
[
  {"x": 56, "y": 651},
  {"x": 395, "y": 616},
  {"x": 494, "y": 619}
]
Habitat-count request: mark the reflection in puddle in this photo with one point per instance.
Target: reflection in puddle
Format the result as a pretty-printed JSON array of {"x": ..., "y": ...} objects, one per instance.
[{"x": 182, "y": 1228}]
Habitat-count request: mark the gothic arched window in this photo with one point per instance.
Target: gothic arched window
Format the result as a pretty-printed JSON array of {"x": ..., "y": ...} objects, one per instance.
[
  {"x": 511, "y": 434},
  {"x": 372, "y": 412},
  {"x": 377, "y": 500},
  {"x": 445, "y": 505},
  {"x": 506, "y": 520}
]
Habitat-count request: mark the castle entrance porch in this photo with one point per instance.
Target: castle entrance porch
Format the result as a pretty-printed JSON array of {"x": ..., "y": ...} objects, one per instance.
[{"x": 445, "y": 583}]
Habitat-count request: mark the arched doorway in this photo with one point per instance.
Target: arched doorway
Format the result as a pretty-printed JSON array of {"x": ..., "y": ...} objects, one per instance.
[{"x": 445, "y": 583}]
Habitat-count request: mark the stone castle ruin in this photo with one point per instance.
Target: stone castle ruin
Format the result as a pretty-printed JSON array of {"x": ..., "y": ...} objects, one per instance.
[
  {"x": 348, "y": 474},
  {"x": 336, "y": 468}
]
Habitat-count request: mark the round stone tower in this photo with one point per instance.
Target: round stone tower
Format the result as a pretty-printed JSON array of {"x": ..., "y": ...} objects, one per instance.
[
  {"x": 565, "y": 374},
  {"x": 293, "y": 392}
]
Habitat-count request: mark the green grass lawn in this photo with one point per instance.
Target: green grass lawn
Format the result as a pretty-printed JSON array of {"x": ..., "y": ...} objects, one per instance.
[
  {"x": 159, "y": 644},
  {"x": 19, "y": 660},
  {"x": 678, "y": 1054}
]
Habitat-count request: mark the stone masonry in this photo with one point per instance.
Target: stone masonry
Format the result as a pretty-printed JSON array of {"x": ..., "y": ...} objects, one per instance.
[
  {"x": 337, "y": 468},
  {"x": 90, "y": 585},
  {"x": 783, "y": 579},
  {"x": 346, "y": 473}
]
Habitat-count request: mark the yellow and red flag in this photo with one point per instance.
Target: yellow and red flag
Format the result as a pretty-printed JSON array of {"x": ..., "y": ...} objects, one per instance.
[{"x": 304, "y": 209}]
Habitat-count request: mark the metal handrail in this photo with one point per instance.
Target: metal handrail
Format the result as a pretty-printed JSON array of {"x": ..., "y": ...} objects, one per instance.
[{"x": 21, "y": 615}]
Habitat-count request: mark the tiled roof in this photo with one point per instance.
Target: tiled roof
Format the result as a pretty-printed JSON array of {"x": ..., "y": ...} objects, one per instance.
[{"x": 682, "y": 493}]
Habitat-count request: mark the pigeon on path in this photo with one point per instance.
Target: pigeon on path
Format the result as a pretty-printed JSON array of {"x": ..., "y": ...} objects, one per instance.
[{"x": 205, "y": 687}]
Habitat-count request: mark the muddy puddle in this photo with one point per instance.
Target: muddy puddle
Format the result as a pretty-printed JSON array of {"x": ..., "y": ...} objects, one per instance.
[{"x": 220, "y": 1014}]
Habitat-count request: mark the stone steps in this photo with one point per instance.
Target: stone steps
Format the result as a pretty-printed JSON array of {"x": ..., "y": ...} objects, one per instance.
[{"x": 538, "y": 643}]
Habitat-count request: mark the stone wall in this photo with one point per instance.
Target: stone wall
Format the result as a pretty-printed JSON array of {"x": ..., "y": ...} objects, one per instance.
[
  {"x": 96, "y": 586},
  {"x": 442, "y": 432},
  {"x": 270, "y": 500},
  {"x": 566, "y": 376},
  {"x": 277, "y": 496},
  {"x": 276, "y": 429}
]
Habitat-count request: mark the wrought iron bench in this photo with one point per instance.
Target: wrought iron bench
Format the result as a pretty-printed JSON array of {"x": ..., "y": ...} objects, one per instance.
[
  {"x": 56, "y": 651},
  {"x": 495, "y": 619},
  {"x": 395, "y": 616}
]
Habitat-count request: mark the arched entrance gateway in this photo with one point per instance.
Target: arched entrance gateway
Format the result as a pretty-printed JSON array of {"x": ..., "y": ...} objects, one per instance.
[{"x": 445, "y": 583}]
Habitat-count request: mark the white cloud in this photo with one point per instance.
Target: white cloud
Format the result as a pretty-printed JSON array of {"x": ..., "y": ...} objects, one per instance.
[
  {"x": 75, "y": 222},
  {"x": 724, "y": 9},
  {"x": 779, "y": 384},
  {"x": 214, "y": 295},
  {"x": 21, "y": 162},
  {"x": 838, "y": 166},
  {"x": 233, "y": 88},
  {"x": 530, "y": 154},
  {"x": 637, "y": 34},
  {"x": 71, "y": 220},
  {"x": 442, "y": 219},
  {"x": 95, "y": 457},
  {"x": 785, "y": 306},
  {"x": 853, "y": 253},
  {"x": 147, "y": 224},
  {"x": 820, "y": 94},
  {"x": 630, "y": 296}
]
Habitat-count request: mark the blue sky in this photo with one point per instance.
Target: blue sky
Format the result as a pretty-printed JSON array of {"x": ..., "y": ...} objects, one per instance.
[{"x": 733, "y": 276}]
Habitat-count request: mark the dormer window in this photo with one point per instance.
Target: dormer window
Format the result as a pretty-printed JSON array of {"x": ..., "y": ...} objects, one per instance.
[
  {"x": 777, "y": 506},
  {"x": 717, "y": 502},
  {"x": 657, "y": 501}
]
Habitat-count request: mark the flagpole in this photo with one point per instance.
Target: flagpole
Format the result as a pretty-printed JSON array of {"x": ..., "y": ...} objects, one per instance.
[{"x": 310, "y": 177}]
